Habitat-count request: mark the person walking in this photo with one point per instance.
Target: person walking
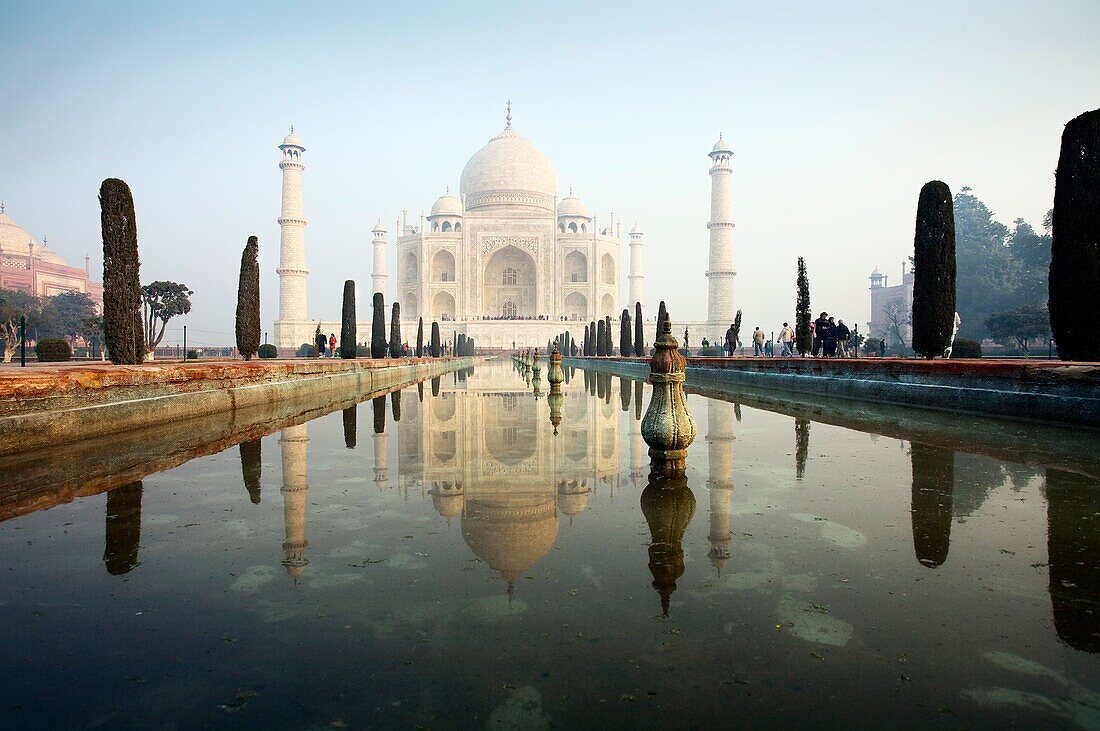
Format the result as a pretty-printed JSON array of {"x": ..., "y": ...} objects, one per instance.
[
  {"x": 730, "y": 341},
  {"x": 820, "y": 325},
  {"x": 786, "y": 338},
  {"x": 332, "y": 345},
  {"x": 829, "y": 343},
  {"x": 843, "y": 335},
  {"x": 319, "y": 342},
  {"x": 758, "y": 338}
]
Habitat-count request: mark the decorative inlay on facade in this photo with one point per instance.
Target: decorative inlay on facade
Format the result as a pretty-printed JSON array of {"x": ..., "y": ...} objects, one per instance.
[
  {"x": 15, "y": 262},
  {"x": 489, "y": 243}
]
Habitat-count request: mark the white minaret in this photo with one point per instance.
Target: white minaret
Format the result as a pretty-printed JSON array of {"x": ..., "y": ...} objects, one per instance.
[
  {"x": 292, "y": 327},
  {"x": 379, "y": 278},
  {"x": 720, "y": 309},
  {"x": 637, "y": 273}
]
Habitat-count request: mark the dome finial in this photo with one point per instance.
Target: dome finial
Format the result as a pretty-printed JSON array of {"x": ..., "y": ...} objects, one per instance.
[
  {"x": 1, "y": 208},
  {"x": 508, "y": 117},
  {"x": 292, "y": 130},
  {"x": 570, "y": 190}
]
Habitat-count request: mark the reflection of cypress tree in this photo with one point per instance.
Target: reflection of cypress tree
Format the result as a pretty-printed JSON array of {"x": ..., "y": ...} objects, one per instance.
[
  {"x": 395, "y": 405},
  {"x": 379, "y": 404},
  {"x": 933, "y": 491},
  {"x": 123, "y": 531},
  {"x": 668, "y": 506},
  {"x": 624, "y": 394},
  {"x": 250, "y": 469},
  {"x": 420, "y": 391},
  {"x": 801, "y": 446},
  {"x": 435, "y": 386},
  {"x": 349, "y": 427},
  {"x": 737, "y": 411},
  {"x": 607, "y": 388},
  {"x": 1073, "y": 549},
  {"x": 637, "y": 400}
]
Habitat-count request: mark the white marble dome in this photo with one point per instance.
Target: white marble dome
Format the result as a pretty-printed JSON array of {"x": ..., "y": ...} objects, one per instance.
[
  {"x": 509, "y": 172},
  {"x": 721, "y": 146},
  {"x": 293, "y": 139},
  {"x": 571, "y": 205},
  {"x": 447, "y": 205},
  {"x": 13, "y": 238}
]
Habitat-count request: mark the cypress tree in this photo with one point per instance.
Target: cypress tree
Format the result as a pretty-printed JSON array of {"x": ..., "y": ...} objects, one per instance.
[
  {"x": 601, "y": 339},
  {"x": 347, "y": 321},
  {"x": 395, "y": 331},
  {"x": 123, "y": 332},
  {"x": 608, "y": 338},
  {"x": 639, "y": 332},
  {"x": 591, "y": 338},
  {"x": 1075, "y": 249},
  {"x": 248, "y": 300},
  {"x": 737, "y": 328},
  {"x": 378, "y": 328},
  {"x": 626, "y": 345},
  {"x": 584, "y": 341},
  {"x": 572, "y": 347},
  {"x": 435, "y": 340},
  {"x": 420, "y": 338},
  {"x": 662, "y": 315},
  {"x": 802, "y": 311},
  {"x": 934, "y": 261}
]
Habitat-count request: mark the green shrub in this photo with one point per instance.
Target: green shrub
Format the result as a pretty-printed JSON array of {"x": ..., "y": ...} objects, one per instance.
[
  {"x": 711, "y": 352},
  {"x": 53, "y": 350},
  {"x": 307, "y": 350},
  {"x": 267, "y": 350},
  {"x": 192, "y": 355},
  {"x": 966, "y": 348}
]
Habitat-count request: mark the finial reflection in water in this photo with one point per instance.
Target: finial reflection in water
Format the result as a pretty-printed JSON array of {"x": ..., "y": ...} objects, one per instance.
[
  {"x": 668, "y": 506},
  {"x": 122, "y": 534}
]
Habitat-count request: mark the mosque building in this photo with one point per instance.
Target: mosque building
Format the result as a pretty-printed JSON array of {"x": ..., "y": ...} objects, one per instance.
[
  {"x": 505, "y": 260},
  {"x": 33, "y": 268}
]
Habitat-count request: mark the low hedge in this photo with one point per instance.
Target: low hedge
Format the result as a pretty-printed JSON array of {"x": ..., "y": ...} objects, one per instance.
[
  {"x": 966, "y": 348},
  {"x": 53, "y": 350},
  {"x": 267, "y": 350},
  {"x": 307, "y": 350}
]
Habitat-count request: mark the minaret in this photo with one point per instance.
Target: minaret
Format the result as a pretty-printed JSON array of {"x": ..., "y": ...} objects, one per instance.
[
  {"x": 637, "y": 273},
  {"x": 292, "y": 328},
  {"x": 294, "y": 444},
  {"x": 720, "y": 418},
  {"x": 720, "y": 309},
  {"x": 379, "y": 278}
]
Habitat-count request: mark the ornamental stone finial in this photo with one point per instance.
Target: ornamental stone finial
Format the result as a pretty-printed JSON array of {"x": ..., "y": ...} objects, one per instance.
[
  {"x": 535, "y": 363},
  {"x": 668, "y": 426},
  {"x": 555, "y": 375}
]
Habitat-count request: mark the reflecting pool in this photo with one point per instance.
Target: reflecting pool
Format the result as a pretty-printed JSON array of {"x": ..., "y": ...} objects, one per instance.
[{"x": 473, "y": 551}]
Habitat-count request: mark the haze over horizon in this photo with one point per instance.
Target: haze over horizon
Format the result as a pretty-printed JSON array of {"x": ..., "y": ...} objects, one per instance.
[{"x": 837, "y": 114}]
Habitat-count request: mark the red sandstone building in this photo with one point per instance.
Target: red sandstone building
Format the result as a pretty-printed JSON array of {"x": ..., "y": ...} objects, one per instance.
[{"x": 27, "y": 266}]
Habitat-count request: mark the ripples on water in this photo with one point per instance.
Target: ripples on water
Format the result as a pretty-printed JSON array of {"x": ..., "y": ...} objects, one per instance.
[{"x": 468, "y": 552}]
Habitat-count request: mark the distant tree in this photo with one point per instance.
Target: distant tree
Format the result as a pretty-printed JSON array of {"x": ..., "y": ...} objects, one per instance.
[
  {"x": 62, "y": 316},
  {"x": 248, "y": 300},
  {"x": 662, "y": 315},
  {"x": 1031, "y": 250},
  {"x": 601, "y": 340},
  {"x": 802, "y": 311},
  {"x": 591, "y": 350},
  {"x": 639, "y": 332},
  {"x": 934, "y": 281},
  {"x": 896, "y": 314},
  {"x": 436, "y": 351},
  {"x": 348, "y": 322},
  {"x": 626, "y": 345},
  {"x": 14, "y": 305},
  {"x": 92, "y": 332},
  {"x": 395, "y": 331},
  {"x": 420, "y": 338},
  {"x": 1020, "y": 325},
  {"x": 987, "y": 275},
  {"x": 160, "y": 302},
  {"x": 121, "y": 286},
  {"x": 1075, "y": 250},
  {"x": 378, "y": 342}
]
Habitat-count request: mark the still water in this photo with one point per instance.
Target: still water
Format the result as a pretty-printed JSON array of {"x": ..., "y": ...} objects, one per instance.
[{"x": 460, "y": 554}]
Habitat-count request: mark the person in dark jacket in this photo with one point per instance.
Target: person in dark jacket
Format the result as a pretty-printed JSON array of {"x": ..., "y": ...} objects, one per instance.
[
  {"x": 320, "y": 340},
  {"x": 731, "y": 341},
  {"x": 843, "y": 335},
  {"x": 829, "y": 345},
  {"x": 821, "y": 327}
]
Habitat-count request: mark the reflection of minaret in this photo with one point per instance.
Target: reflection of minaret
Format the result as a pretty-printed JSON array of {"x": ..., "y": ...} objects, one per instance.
[
  {"x": 251, "y": 466},
  {"x": 720, "y": 418},
  {"x": 380, "y": 441},
  {"x": 639, "y": 455},
  {"x": 123, "y": 530},
  {"x": 933, "y": 488},
  {"x": 294, "y": 445},
  {"x": 668, "y": 505},
  {"x": 1073, "y": 550}
]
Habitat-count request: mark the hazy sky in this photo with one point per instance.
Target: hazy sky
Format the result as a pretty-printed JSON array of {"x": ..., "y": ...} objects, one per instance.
[{"x": 837, "y": 113}]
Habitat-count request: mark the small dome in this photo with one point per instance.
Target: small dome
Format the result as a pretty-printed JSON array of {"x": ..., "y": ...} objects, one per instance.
[
  {"x": 447, "y": 205},
  {"x": 721, "y": 146},
  {"x": 571, "y": 205},
  {"x": 293, "y": 139},
  {"x": 876, "y": 273},
  {"x": 636, "y": 231},
  {"x": 378, "y": 228}
]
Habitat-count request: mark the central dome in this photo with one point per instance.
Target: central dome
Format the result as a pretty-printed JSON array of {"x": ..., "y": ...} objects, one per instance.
[{"x": 509, "y": 172}]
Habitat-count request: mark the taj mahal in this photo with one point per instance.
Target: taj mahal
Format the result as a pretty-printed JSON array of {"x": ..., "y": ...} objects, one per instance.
[{"x": 506, "y": 261}]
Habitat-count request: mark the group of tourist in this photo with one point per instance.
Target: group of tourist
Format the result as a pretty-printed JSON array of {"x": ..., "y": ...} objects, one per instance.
[{"x": 830, "y": 339}]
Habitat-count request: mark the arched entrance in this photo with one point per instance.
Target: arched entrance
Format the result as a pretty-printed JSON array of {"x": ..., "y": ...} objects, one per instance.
[
  {"x": 509, "y": 277},
  {"x": 443, "y": 306},
  {"x": 576, "y": 306}
]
